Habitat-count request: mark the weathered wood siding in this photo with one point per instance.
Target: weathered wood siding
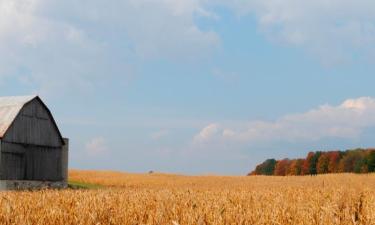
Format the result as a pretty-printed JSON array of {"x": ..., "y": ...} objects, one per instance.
[
  {"x": 33, "y": 125},
  {"x": 32, "y": 147},
  {"x": 29, "y": 162}
]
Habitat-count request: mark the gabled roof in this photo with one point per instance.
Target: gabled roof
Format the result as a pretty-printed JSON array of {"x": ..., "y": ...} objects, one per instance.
[{"x": 11, "y": 106}]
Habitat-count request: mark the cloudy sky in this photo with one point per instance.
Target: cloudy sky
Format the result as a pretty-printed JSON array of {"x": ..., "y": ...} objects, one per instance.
[{"x": 195, "y": 86}]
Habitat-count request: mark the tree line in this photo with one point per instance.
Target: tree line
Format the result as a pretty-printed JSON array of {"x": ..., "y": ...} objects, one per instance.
[{"x": 320, "y": 162}]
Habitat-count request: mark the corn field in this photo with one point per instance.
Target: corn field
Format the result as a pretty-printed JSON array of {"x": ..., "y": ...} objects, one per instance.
[{"x": 172, "y": 199}]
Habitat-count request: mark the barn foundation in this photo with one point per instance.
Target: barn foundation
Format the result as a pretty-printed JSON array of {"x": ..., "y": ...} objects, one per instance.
[{"x": 31, "y": 185}]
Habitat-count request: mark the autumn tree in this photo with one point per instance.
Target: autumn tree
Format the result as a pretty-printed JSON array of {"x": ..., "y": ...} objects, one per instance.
[
  {"x": 290, "y": 171},
  {"x": 295, "y": 167},
  {"x": 282, "y": 167},
  {"x": 323, "y": 163},
  {"x": 356, "y": 160},
  {"x": 352, "y": 161},
  {"x": 306, "y": 164},
  {"x": 309, "y": 166},
  {"x": 334, "y": 160}
]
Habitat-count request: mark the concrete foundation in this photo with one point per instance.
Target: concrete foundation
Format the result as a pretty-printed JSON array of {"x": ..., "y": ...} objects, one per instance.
[{"x": 31, "y": 185}]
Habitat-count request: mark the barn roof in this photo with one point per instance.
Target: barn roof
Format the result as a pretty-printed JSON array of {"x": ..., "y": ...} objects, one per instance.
[{"x": 10, "y": 108}]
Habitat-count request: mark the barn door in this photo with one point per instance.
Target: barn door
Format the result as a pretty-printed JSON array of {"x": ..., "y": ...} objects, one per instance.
[{"x": 43, "y": 163}]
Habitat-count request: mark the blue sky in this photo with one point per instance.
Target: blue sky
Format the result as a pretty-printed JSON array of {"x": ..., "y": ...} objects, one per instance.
[{"x": 195, "y": 86}]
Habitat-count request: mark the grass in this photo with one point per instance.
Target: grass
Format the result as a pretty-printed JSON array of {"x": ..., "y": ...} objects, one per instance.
[{"x": 83, "y": 185}]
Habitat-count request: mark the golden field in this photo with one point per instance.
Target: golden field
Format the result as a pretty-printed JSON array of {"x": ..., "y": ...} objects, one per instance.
[{"x": 173, "y": 199}]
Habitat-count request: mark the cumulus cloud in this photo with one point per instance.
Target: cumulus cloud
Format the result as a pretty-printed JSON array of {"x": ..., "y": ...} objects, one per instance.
[
  {"x": 96, "y": 146},
  {"x": 208, "y": 132},
  {"x": 51, "y": 45},
  {"x": 334, "y": 30},
  {"x": 45, "y": 53},
  {"x": 346, "y": 120}
]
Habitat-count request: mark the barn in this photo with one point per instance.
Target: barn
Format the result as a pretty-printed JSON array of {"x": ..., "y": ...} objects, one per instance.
[{"x": 33, "y": 153}]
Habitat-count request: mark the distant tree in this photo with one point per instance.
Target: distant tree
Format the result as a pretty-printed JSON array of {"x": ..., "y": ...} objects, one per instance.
[
  {"x": 290, "y": 171},
  {"x": 269, "y": 167},
  {"x": 299, "y": 166},
  {"x": 370, "y": 158},
  {"x": 334, "y": 160},
  {"x": 323, "y": 163},
  {"x": 252, "y": 173},
  {"x": 360, "y": 166},
  {"x": 314, "y": 162},
  {"x": 295, "y": 167},
  {"x": 352, "y": 161},
  {"x": 266, "y": 168},
  {"x": 306, "y": 164},
  {"x": 309, "y": 166},
  {"x": 282, "y": 167}
]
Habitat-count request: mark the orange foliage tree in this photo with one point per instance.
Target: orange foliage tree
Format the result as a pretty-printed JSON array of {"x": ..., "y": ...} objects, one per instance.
[
  {"x": 282, "y": 167},
  {"x": 295, "y": 167},
  {"x": 334, "y": 160},
  {"x": 350, "y": 161}
]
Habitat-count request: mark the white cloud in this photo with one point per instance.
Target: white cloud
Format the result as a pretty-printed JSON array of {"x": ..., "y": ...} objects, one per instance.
[
  {"x": 49, "y": 54},
  {"x": 167, "y": 28},
  {"x": 334, "y": 30},
  {"x": 96, "y": 146},
  {"x": 159, "y": 134},
  {"x": 58, "y": 44},
  {"x": 346, "y": 120},
  {"x": 160, "y": 28},
  {"x": 207, "y": 133}
]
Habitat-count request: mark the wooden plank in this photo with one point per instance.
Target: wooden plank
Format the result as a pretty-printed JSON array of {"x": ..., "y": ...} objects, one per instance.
[
  {"x": 34, "y": 126},
  {"x": 30, "y": 162},
  {"x": 12, "y": 166}
]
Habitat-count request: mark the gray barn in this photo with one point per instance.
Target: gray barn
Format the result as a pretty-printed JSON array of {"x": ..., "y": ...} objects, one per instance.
[{"x": 32, "y": 151}]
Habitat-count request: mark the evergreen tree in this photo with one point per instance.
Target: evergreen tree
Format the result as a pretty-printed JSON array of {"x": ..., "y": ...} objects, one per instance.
[
  {"x": 266, "y": 168},
  {"x": 314, "y": 162},
  {"x": 371, "y": 161}
]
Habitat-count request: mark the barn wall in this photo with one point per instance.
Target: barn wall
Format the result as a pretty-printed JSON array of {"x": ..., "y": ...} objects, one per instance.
[
  {"x": 30, "y": 162},
  {"x": 65, "y": 159},
  {"x": 34, "y": 125}
]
